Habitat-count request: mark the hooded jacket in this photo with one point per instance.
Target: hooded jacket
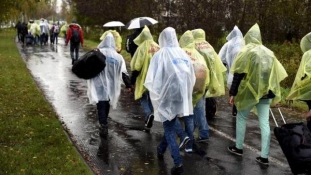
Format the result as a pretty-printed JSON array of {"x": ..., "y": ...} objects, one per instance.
[
  {"x": 301, "y": 88},
  {"x": 202, "y": 73},
  {"x": 263, "y": 72},
  {"x": 217, "y": 85},
  {"x": 231, "y": 48},
  {"x": 170, "y": 79},
  {"x": 141, "y": 59}
]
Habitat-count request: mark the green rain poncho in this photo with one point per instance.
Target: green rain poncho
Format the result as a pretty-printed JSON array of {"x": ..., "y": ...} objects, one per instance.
[
  {"x": 64, "y": 29},
  {"x": 217, "y": 85},
  {"x": 116, "y": 37},
  {"x": 301, "y": 89},
  {"x": 263, "y": 71},
  {"x": 141, "y": 59},
  {"x": 201, "y": 71}
]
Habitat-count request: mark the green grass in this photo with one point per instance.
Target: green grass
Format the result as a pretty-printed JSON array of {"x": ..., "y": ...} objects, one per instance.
[{"x": 32, "y": 139}]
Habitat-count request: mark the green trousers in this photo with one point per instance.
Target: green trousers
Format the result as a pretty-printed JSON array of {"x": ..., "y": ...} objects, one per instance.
[{"x": 263, "y": 115}]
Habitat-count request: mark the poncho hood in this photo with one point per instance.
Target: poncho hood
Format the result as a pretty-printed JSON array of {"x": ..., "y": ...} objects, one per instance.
[
  {"x": 234, "y": 33},
  {"x": 305, "y": 43},
  {"x": 168, "y": 38},
  {"x": 253, "y": 35},
  {"x": 143, "y": 36},
  {"x": 198, "y": 34},
  {"x": 108, "y": 42},
  {"x": 187, "y": 40}
]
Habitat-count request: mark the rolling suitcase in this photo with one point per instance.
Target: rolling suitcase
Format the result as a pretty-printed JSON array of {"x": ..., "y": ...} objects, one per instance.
[{"x": 295, "y": 142}]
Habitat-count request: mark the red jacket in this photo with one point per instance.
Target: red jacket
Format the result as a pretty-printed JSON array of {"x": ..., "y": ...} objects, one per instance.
[{"x": 69, "y": 33}]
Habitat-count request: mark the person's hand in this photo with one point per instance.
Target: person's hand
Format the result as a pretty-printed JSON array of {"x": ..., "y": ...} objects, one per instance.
[
  {"x": 128, "y": 90},
  {"x": 231, "y": 100}
]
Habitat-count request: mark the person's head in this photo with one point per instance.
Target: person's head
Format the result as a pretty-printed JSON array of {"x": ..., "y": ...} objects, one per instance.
[
  {"x": 198, "y": 34},
  {"x": 74, "y": 22},
  {"x": 168, "y": 38},
  {"x": 31, "y": 21},
  {"x": 234, "y": 33},
  {"x": 187, "y": 40},
  {"x": 108, "y": 42},
  {"x": 143, "y": 36},
  {"x": 305, "y": 43},
  {"x": 253, "y": 35}
]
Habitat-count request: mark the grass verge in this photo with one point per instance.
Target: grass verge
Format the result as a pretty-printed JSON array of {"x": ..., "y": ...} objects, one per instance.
[{"x": 32, "y": 139}]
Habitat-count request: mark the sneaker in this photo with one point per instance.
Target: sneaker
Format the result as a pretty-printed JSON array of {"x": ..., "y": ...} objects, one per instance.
[
  {"x": 103, "y": 130},
  {"x": 235, "y": 150},
  {"x": 190, "y": 150},
  {"x": 149, "y": 121},
  {"x": 200, "y": 139},
  {"x": 263, "y": 161},
  {"x": 177, "y": 170},
  {"x": 184, "y": 142}
]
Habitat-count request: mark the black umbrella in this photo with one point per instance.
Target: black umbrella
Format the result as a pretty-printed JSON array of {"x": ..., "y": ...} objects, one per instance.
[{"x": 140, "y": 22}]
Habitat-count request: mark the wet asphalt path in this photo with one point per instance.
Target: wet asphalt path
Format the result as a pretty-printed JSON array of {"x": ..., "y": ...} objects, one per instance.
[{"x": 129, "y": 149}]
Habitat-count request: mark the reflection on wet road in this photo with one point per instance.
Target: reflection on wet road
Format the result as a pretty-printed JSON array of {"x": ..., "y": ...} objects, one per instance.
[{"x": 129, "y": 149}]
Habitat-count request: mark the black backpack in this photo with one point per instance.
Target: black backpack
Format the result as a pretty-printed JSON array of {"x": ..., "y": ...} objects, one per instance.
[
  {"x": 210, "y": 107},
  {"x": 89, "y": 65},
  {"x": 75, "y": 38}
]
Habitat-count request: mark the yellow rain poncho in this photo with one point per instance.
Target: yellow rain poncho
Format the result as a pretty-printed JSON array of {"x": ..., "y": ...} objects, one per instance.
[
  {"x": 64, "y": 29},
  {"x": 116, "y": 36},
  {"x": 34, "y": 29},
  {"x": 263, "y": 71},
  {"x": 201, "y": 71},
  {"x": 301, "y": 89},
  {"x": 217, "y": 85},
  {"x": 141, "y": 59}
]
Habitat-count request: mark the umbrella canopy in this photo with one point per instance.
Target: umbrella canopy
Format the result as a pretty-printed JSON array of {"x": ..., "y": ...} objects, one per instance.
[
  {"x": 113, "y": 24},
  {"x": 140, "y": 22}
]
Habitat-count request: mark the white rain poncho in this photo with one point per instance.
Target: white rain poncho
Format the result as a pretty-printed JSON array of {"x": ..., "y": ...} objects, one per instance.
[
  {"x": 228, "y": 52},
  {"x": 216, "y": 86},
  {"x": 263, "y": 72},
  {"x": 117, "y": 38},
  {"x": 301, "y": 89},
  {"x": 141, "y": 59},
  {"x": 107, "y": 85},
  {"x": 202, "y": 73},
  {"x": 44, "y": 27},
  {"x": 170, "y": 79}
]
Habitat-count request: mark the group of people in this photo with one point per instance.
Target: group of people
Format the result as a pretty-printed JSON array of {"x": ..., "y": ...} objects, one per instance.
[{"x": 173, "y": 77}]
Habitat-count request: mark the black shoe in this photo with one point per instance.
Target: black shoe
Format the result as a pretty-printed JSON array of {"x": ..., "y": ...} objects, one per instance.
[
  {"x": 149, "y": 121},
  {"x": 73, "y": 61},
  {"x": 202, "y": 140},
  {"x": 184, "y": 142},
  {"x": 176, "y": 170},
  {"x": 103, "y": 131},
  {"x": 235, "y": 150},
  {"x": 234, "y": 110},
  {"x": 263, "y": 161}
]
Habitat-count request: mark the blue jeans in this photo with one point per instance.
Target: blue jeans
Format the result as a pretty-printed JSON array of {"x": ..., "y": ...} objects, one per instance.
[
  {"x": 189, "y": 129},
  {"x": 169, "y": 140},
  {"x": 200, "y": 119},
  {"x": 74, "y": 49},
  {"x": 146, "y": 104},
  {"x": 103, "y": 111},
  {"x": 55, "y": 35}
]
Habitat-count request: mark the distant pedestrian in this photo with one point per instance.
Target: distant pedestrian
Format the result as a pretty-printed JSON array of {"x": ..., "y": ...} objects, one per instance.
[
  {"x": 54, "y": 33},
  {"x": 170, "y": 80},
  {"x": 44, "y": 32},
  {"x": 130, "y": 46},
  {"x": 18, "y": 30},
  {"x": 301, "y": 88},
  {"x": 228, "y": 52},
  {"x": 104, "y": 89},
  {"x": 75, "y": 36},
  {"x": 256, "y": 83},
  {"x": 139, "y": 67},
  {"x": 202, "y": 75}
]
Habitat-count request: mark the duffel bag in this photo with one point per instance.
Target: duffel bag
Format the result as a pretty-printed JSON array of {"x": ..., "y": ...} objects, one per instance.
[{"x": 89, "y": 65}]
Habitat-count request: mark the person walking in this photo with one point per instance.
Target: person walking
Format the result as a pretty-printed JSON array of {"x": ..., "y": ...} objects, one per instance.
[
  {"x": 170, "y": 80},
  {"x": 54, "y": 33},
  {"x": 256, "y": 83},
  {"x": 139, "y": 67},
  {"x": 104, "y": 89},
  {"x": 75, "y": 36},
  {"x": 186, "y": 42},
  {"x": 228, "y": 52},
  {"x": 301, "y": 88},
  {"x": 130, "y": 46}
]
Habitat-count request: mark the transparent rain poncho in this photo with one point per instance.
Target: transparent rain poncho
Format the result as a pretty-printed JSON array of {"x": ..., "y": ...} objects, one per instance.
[
  {"x": 116, "y": 36},
  {"x": 217, "y": 85},
  {"x": 141, "y": 59},
  {"x": 34, "y": 29},
  {"x": 301, "y": 89},
  {"x": 170, "y": 79},
  {"x": 263, "y": 72},
  {"x": 106, "y": 86},
  {"x": 202, "y": 73},
  {"x": 231, "y": 48},
  {"x": 44, "y": 27}
]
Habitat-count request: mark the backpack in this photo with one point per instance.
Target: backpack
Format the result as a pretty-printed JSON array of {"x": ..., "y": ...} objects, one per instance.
[
  {"x": 56, "y": 29},
  {"x": 75, "y": 38},
  {"x": 89, "y": 65},
  {"x": 210, "y": 107}
]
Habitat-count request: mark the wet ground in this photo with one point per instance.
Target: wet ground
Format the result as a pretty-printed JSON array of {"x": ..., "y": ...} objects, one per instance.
[{"x": 129, "y": 149}]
